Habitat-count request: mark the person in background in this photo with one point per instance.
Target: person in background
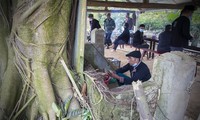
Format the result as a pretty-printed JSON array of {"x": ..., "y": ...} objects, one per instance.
[
  {"x": 129, "y": 21},
  {"x": 94, "y": 23},
  {"x": 181, "y": 29},
  {"x": 109, "y": 26},
  {"x": 195, "y": 39},
  {"x": 138, "y": 36},
  {"x": 138, "y": 70},
  {"x": 138, "y": 39},
  {"x": 122, "y": 38},
  {"x": 164, "y": 40}
]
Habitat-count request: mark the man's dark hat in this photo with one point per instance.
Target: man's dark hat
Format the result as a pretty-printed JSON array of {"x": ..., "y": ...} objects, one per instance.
[
  {"x": 90, "y": 15},
  {"x": 135, "y": 54}
]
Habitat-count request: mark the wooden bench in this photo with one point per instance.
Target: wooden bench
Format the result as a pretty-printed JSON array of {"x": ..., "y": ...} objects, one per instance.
[{"x": 150, "y": 53}]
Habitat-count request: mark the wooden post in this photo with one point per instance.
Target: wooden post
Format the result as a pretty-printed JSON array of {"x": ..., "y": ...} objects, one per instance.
[
  {"x": 142, "y": 106},
  {"x": 80, "y": 37}
]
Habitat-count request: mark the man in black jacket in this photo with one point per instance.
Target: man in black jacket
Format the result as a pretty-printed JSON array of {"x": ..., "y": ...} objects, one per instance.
[
  {"x": 181, "y": 29},
  {"x": 138, "y": 38},
  {"x": 94, "y": 23},
  {"x": 122, "y": 38},
  {"x": 164, "y": 40},
  {"x": 138, "y": 70},
  {"x": 109, "y": 26}
]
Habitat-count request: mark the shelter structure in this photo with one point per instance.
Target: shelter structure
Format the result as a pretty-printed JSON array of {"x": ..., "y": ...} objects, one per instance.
[{"x": 109, "y": 5}]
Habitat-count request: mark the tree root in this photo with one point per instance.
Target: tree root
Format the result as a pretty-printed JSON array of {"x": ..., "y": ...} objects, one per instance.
[{"x": 25, "y": 105}]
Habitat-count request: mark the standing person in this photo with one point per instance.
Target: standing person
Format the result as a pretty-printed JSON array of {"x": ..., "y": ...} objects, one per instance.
[
  {"x": 129, "y": 21},
  {"x": 122, "y": 38},
  {"x": 164, "y": 40},
  {"x": 94, "y": 23},
  {"x": 181, "y": 29},
  {"x": 138, "y": 70},
  {"x": 109, "y": 26}
]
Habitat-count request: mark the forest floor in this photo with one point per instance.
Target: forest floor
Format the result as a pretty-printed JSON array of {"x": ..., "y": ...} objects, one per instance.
[{"x": 193, "y": 109}]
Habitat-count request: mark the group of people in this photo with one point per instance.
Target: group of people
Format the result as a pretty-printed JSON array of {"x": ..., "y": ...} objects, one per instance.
[
  {"x": 109, "y": 26},
  {"x": 174, "y": 38},
  {"x": 177, "y": 36}
]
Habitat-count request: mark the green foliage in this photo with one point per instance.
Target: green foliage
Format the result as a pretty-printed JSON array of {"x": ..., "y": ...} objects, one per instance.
[
  {"x": 74, "y": 113},
  {"x": 63, "y": 114},
  {"x": 172, "y": 16},
  {"x": 87, "y": 115},
  {"x": 156, "y": 20},
  {"x": 67, "y": 103},
  {"x": 196, "y": 21},
  {"x": 56, "y": 109}
]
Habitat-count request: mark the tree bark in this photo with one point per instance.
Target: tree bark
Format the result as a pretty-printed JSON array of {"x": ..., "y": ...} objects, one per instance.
[
  {"x": 38, "y": 39},
  {"x": 142, "y": 105}
]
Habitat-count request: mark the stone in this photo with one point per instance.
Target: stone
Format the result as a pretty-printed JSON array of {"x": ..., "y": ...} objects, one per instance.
[
  {"x": 174, "y": 73},
  {"x": 97, "y": 36}
]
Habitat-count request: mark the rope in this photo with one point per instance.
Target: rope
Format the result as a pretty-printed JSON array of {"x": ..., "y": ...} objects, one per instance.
[
  {"x": 95, "y": 85},
  {"x": 131, "y": 113},
  {"x": 163, "y": 113},
  {"x": 109, "y": 96}
]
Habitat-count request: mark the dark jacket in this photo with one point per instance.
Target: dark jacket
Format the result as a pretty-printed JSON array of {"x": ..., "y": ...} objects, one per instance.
[
  {"x": 130, "y": 23},
  {"x": 141, "y": 73},
  {"x": 109, "y": 25},
  {"x": 180, "y": 32},
  {"x": 94, "y": 24},
  {"x": 164, "y": 41},
  {"x": 125, "y": 36},
  {"x": 138, "y": 38}
]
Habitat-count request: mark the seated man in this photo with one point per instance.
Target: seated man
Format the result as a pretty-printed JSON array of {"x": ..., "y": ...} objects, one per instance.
[
  {"x": 138, "y": 40},
  {"x": 138, "y": 70},
  {"x": 123, "y": 38},
  {"x": 164, "y": 40}
]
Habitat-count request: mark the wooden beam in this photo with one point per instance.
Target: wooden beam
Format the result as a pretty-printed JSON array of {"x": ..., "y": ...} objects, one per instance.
[
  {"x": 111, "y": 11},
  {"x": 145, "y": 1},
  {"x": 133, "y": 5},
  {"x": 196, "y": 2}
]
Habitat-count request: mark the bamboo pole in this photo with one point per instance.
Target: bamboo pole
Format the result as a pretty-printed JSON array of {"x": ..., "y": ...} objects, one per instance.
[
  {"x": 142, "y": 106},
  {"x": 78, "y": 55},
  {"x": 71, "y": 79},
  {"x": 75, "y": 86}
]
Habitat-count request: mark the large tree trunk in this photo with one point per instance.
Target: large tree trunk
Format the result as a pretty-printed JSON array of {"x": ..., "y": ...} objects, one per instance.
[
  {"x": 39, "y": 35},
  {"x": 9, "y": 77}
]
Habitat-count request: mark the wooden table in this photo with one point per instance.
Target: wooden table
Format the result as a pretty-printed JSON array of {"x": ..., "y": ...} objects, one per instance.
[
  {"x": 152, "y": 46},
  {"x": 192, "y": 49}
]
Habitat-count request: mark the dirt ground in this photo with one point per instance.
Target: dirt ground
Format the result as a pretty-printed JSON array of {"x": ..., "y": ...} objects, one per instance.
[
  {"x": 193, "y": 109},
  {"x": 119, "y": 54}
]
